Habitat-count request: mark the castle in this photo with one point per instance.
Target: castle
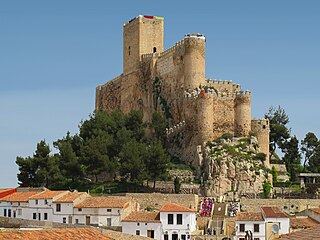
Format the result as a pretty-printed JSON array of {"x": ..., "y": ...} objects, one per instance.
[{"x": 174, "y": 81}]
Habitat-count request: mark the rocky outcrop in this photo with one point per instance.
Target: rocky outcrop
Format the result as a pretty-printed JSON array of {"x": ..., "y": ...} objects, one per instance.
[{"x": 233, "y": 165}]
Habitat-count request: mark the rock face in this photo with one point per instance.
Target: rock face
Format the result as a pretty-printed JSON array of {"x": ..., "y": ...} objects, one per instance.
[{"x": 233, "y": 165}]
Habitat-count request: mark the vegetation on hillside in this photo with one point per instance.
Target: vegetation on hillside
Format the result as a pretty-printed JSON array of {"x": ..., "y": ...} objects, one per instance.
[{"x": 109, "y": 148}]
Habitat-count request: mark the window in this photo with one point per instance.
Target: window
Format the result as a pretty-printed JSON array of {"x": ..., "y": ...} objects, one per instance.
[
  {"x": 154, "y": 50},
  {"x": 58, "y": 207},
  {"x": 166, "y": 237},
  {"x": 9, "y": 212},
  {"x": 108, "y": 210},
  {"x": 241, "y": 239},
  {"x": 64, "y": 220},
  {"x": 170, "y": 218},
  {"x": 77, "y": 221},
  {"x": 129, "y": 50},
  {"x": 146, "y": 224},
  {"x": 45, "y": 216},
  {"x": 46, "y": 202},
  {"x": 19, "y": 212},
  {"x": 34, "y": 216},
  {"x": 256, "y": 227},
  {"x": 138, "y": 232},
  {"x": 183, "y": 237},
  {"x": 256, "y": 239},
  {"x": 5, "y": 212},
  {"x": 79, "y": 209},
  {"x": 37, "y": 201},
  {"x": 39, "y": 216},
  {"x": 242, "y": 227},
  {"x": 138, "y": 224},
  {"x": 150, "y": 233},
  {"x": 179, "y": 219}
]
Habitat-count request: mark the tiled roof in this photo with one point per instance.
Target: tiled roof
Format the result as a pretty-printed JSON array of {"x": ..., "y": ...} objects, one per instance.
[
  {"x": 316, "y": 210},
  {"x": 143, "y": 217},
  {"x": 306, "y": 234},
  {"x": 53, "y": 234},
  {"x": 69, "y": 197},
  {"x": 302, "y": 222},
  {"x": 273, "y": 212},
  {"x": 104, "y": 202},
  {"x": 249, "y": 216},
  {"x": 172, "y": 207},
  {"x": 48, "y": 194},
  {"x": 18, "y": 197},
  {"x": 5, "y": 189}
]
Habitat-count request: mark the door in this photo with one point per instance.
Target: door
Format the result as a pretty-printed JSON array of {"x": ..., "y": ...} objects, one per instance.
[
  {"x": 87, "y": 220},
  {"x": 174, "y": 236},
  {"x": 109, "y": 222},
  {"x": 70, "y": 219}
]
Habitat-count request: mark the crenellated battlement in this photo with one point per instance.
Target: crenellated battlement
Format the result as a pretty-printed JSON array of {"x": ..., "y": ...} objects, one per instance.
[{"x": 172, "y": 49}]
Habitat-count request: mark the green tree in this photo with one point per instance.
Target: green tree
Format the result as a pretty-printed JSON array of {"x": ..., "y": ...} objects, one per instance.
[
  {"x": 67, "y": 158},
  {"x": 159, "y": 123},
  {"x": 274, "y": 173},
  {"x": 156, "y": 162},
  {"x": 309, "y": 146},
  {"x": 292, "y": 157},
  {"x": 266, "y": 186},
  {"x": 132, "y": 159},
  {"x": 279, "y": 132}
]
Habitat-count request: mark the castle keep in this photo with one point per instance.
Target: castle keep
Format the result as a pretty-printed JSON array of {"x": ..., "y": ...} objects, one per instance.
[{"x": 174, "y": 81}]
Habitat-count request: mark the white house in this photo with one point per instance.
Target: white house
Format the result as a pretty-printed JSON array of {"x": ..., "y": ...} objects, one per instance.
[
  {"x": 178, "y": 222},
  {"x": 250, "y": 223},
  {"x": 145, "y": 224},
  {"x": 273, "y": 216},
  {"x": 104, "y": 211},
  {"x": 63, "y": 207},
  {"x": 267, "y": 224},
  {"x": 16, "y": 205}
]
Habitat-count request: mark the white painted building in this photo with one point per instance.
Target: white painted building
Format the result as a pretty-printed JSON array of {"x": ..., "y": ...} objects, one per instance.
[
  {"x": 178, "y": 222},
  {"x": 145, "y": 224},
  {"x": 16, "y": 205},
  {"x": 63, "y": 207},
  {"x": 104, "y": 211},
  {"x": 267, "y": 224},
  {"x": 250, "y": 223}
]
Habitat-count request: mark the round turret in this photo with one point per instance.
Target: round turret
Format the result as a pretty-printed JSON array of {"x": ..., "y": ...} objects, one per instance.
[
  {"x": 261, "y": 130},
  {"x": 194, "y": 60},
  {"x": 242, "y": 115},
  {"x": 205, "y": 117}
]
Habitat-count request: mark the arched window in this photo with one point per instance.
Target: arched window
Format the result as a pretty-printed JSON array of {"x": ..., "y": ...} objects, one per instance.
[
  {"x": 129, "y": 50},
  {"x": 154, "y": 49}
]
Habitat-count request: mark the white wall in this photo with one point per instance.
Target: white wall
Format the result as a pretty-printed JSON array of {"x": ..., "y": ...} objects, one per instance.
[
  {"x": 249, "y": 226},
  {"x": 41, "y": 208},
  {"x": 99, "y": 216},
  {"x": 186, "y": 228},
  {"x": 66, "y": 211},
  {"x": 131, "y": 227}
]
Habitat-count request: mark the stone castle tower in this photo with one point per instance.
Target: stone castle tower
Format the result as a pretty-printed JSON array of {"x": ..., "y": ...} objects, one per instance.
[{"x": 174, "y": 81}]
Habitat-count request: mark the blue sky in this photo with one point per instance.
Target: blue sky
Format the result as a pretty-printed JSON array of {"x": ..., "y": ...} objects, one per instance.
[{"x": 54, "y": 53}]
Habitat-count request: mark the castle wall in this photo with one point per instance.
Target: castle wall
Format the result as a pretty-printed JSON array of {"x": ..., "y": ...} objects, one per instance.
[
  {"x": 261, "y": 129},
  {"x": 226, "y": 86},
  {"x": 204, "y": 116},
  {"x": 223, "y": 116}
]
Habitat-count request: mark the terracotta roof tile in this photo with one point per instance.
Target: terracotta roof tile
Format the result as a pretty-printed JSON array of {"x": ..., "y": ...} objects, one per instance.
[
  {"x": 273, "y": 212},
  {"x": 143, "y": 217},
  {"x": 306, "y": 234},
  {"x": 104, "y": 202},
  {"x": 48, "y": 194},
  {"x": 249, "y": 216},
  {"x": 316, "y": 210},
  {"x": 18, "y": 197},
  {"x": 172, "y": 207},
  {"x": 5, "y": 189},
  {"x": 53, "y": 234},
  {"x": 302, "y": 222},
  {"x": 69, "y": 197}
]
